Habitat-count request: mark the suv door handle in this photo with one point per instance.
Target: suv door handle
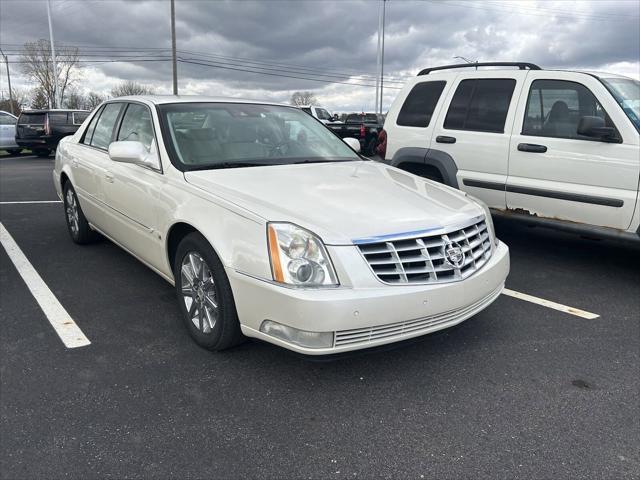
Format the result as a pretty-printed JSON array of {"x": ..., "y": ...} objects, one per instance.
[
  {"x": 109, "y": 177},
  {"x": 531, "y": 147},
  {"x": 445, "y": 139}
]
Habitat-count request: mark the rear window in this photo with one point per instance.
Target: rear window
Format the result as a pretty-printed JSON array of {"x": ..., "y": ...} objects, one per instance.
[
  {"x": 79, "y": 117},
  {"x": 480, "y": 105},
  {"x": 31, "y": 119},
  {"x": 58, "y": 118},
  {"x": 420, "y": 104},
  {"x": 353, "y": 118},
  {"x": 371, "y": 118}
]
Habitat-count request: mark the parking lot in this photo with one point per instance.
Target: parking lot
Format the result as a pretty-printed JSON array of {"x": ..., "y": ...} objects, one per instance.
[{"x": 519, "y": 391}]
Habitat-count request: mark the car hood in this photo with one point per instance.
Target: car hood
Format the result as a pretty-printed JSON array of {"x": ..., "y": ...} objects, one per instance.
[{"x": 341, "y": 201}]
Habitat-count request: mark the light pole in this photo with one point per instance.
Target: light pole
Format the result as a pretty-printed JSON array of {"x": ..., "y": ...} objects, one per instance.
[
  {"x": 6, "y": 62},
  {"x": 384, "y": 3},
  {"x": 173, "y": 48},
  {"x": 380, "y": 57},
  {"x": 56, "y": 91}
]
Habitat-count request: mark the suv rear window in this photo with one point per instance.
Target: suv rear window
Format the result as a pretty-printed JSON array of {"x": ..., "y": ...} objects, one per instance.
[
  {"x": 57, "y": 118},
  {"x": 420, "y": 104},
  {"x": 31, "y": 119},
  {"x": 480, "y": 105}
]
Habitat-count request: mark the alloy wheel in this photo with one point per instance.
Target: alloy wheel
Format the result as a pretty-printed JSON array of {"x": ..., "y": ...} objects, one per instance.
[
  {"x": 72, "y": 212},
  {"x": 198, "y": 292}
]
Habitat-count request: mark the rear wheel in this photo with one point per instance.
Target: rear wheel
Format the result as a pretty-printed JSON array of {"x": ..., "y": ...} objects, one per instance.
[
  {"x": 14, "y": 151},
  {"x": 204, "y": 295},
  {"x": 42, "y": 152},
  {"x": 79, "y": 229}
]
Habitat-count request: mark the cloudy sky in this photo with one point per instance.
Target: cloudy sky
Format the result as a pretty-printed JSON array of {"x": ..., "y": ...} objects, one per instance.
[{"x": 267, "y": 49}]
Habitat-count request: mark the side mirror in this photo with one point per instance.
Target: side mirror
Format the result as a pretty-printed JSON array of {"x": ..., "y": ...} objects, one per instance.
[
  {"x": 595, "y": 127},
  {"x": 353, "y": 143},
  {"x": 128, "y": 151}
]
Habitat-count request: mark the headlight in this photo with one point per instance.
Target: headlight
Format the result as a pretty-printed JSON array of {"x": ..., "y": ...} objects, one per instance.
[
  {"x": 298, "y": 257},
  {"x": 488, "y": 219}
]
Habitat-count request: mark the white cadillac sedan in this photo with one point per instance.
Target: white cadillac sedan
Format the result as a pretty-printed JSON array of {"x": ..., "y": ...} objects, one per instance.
[{"x": 272, "y": 227}]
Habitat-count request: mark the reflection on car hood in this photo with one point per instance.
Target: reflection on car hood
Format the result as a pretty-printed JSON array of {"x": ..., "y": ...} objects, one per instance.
[{"x": 341, "y": 201}]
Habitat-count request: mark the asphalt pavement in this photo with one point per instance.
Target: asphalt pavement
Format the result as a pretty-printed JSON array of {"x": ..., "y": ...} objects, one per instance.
[{"x": 518, "y": 391}]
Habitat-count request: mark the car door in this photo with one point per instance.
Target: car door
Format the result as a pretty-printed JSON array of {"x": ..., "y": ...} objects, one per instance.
[
  {"x": 475, "y": 131},
  {"x": 132, "y": 192},
  {"x": 89, "y": 160},
  {"x": 7, "y": 130},
  {"x": 554, "y": 171}
]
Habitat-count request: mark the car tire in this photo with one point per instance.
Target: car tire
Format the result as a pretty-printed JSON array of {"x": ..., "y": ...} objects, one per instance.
[
  {"x": 14, "y": 151},
  {"x": 370, "y": 148},
  {"x": 79, "y": 229},
  {"x": 42, "y": 152},
  {"x": 204, "y": 295}
]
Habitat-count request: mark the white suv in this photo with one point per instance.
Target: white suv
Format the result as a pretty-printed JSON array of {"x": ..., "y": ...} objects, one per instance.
[{"x": 558, "y": 147}]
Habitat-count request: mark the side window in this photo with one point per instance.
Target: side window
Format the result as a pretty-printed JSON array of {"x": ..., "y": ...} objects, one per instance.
[
  {"x": 7, "y": 119},
  {"x": 57, "y": 118},
  {"x": 79, "y": 117},
  {"x": 136, "y": 125},
  {"x": 88, "y": 134},
  {"x": 554, "y": 109},
  {"x": 420, "y": 104},
  {"x": 104, "y": 128},
  {"x": 480, "y": 105}
]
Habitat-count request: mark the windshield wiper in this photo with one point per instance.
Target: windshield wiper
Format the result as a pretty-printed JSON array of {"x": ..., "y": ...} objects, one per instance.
[
  {"x": 234, "y": 164},
  {"x": 326, "y": 160}
]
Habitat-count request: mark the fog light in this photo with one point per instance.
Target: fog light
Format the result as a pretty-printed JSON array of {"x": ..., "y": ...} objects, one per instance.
[{"x": 302, "y": 338}]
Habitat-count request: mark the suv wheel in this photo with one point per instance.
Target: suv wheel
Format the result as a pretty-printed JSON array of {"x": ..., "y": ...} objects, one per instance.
[
  {"x": 42, "y": 152},
  {"x": 204, "y": 295}
]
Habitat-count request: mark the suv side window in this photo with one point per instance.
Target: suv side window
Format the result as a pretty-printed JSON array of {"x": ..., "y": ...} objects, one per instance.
[
  {"x": 104, "y": 128},
  {"x": 554, "y": 109},
  {"x": 58, "y": 118},
  {"x": 136, "y": 125},
  {"x": 419, "y": 105},
  {"x": 480, "y": 105}
]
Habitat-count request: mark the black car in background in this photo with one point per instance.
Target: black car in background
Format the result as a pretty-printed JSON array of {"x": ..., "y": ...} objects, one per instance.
[
  {"x": 364, "y": 126},
  {"x": 41, "y": 130}
]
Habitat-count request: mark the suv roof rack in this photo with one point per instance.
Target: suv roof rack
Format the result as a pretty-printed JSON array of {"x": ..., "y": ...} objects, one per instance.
[{"x": 520, "y": 65}]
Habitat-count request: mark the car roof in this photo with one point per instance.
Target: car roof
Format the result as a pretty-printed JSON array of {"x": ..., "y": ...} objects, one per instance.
[
  {"x": 166, "y": 99},
  {"x": 441, "y": 73},
  {"x": 66, "y": 110}
]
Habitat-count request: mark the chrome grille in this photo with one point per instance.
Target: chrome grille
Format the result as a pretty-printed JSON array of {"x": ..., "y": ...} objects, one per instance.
[{"x": 424, "y": 259}]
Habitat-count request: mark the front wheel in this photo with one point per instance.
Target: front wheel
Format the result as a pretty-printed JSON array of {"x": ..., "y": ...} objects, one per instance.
[
  {"x": 79, "y": 229},
  {"x": 205, "y": 296}
]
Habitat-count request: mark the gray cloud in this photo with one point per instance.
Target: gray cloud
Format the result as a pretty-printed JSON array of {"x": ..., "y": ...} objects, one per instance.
[{"x": 331, "y": 37}]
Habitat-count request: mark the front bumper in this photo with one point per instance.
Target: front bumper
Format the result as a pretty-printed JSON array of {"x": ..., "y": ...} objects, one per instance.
[{"x": 366, "y": 317}]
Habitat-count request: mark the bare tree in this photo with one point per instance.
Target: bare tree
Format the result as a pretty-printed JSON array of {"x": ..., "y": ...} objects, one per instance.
[
  {"x": 303, "y": 98},
  {"x": 93, "y": 100},
  {"x": 20, "y": 100},
  {"x": 37, "y": 65},
  {"x": 75, "y": 100},
  {"x": 39, "y": 100},
  {"x": 131, "y": 88}
]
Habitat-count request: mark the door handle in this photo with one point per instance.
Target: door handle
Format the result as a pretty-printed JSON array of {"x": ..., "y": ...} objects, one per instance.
[
  {"x": 108, "y": 177},
  {"x": 445, "y": 139},
  {"x": 75, "y": 163},
  {"x": 531, "y": 147}
]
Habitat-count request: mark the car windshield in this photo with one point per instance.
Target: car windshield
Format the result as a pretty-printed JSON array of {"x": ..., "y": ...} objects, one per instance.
[
  {"x": 221, "y": 135},
  {"x": 627, "y": 93}
]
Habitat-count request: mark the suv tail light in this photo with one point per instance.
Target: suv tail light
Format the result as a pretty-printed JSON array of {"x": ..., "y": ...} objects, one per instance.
[
  {"x": 47, "y": 128},
  {"x": 381, "y": 149},
  {"x": 363, "y": 131}
]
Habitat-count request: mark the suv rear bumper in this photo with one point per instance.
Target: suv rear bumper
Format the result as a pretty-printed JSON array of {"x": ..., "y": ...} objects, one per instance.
[{"x": 38, "y": 142}]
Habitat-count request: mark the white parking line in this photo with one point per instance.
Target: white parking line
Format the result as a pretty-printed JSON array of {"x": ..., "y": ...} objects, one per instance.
[
  {"x": 60, "y": 320},
  {"x": 549, "y": 304},
  {"x": 31, "y": 201}
]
